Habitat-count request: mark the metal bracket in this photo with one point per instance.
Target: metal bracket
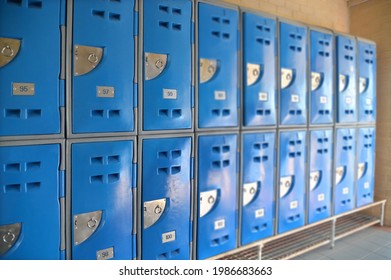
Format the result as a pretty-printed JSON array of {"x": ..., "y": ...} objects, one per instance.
[
  {"x": 249, "y": 192},
  {"x": 155, "y": 63},
  {"x": 253, "y": 73},
  {"x": 285, "y": 185},
  {"x": 315, "y": 80},
  {"x": 153, "y": 210},
  {"x": 85, "y": 225},
  {"x": 9, "y": 49},
  {"x": 286, "y": 77},
  {"x": 207, "y": 201},
  {"x": 208, "y": 68},
  {"x": 9, "y": 234},
  {"x": 86, "y": 59}
]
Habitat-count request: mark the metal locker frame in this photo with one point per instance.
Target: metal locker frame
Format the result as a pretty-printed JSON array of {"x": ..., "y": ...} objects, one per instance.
[
  {"x": 69, "y": 78},
  {"x": 333, "y": 105},
  {"x": 140, "y": 75},
  {"x": 62, "y": 192},
  {"x": 62, "y": 83},
  {"x": 197, "y": 129},
  {"x": 139, "y": 186},
  {"x": 299, "y": 24},
  {"x": 242, "y": 68},
  {"x": 68, "y": 186},
  {"x": 241, "y": 166}
]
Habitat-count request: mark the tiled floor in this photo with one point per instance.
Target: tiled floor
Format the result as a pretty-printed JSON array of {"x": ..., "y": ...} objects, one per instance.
[{"x": 373, "y": 243}]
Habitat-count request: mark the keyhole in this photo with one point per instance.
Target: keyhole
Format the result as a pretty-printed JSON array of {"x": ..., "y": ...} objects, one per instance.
[{"x": 7, "y": 51}]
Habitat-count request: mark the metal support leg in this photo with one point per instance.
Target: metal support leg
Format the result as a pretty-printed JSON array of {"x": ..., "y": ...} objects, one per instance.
[
  {"x": 260, "y": 251},
  {"x": 333, "y": 223},
  {"x": 382, "y": 213}
]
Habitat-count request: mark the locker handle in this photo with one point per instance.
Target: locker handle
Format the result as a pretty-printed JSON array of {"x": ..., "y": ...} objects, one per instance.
[
  {"x": 253, "y": 73},
  {"x": 155, "y": 64},
  {"x": 250, "y": 192},
  {"x": 363, "y": 83},
  {"x": 287, "y": 77},
  {"x": 208, "y": 69},
  {"x": 9, "y": 50},
  {"x": 343, "y": 82},
  {"x": 9, "y": 234},
  {"x": 208, "y": 200}
]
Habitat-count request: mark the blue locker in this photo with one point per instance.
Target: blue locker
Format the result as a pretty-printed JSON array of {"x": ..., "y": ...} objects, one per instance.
[
  {"x": 217, "y": 194},
  {"x": 365, "y": 166},
  {"x": 258, "y": 185},
  {"x": 346, "y": 79},
  {"x": 259, "y": 79},
  {"x": 291, "y": 195},
  {"x": 102, "y": 200},
  {"x": 293, "y": 74},
  {"x": 218, "y": 46},
  {"x": 344, "y": 178},
  {"x": 31, "y": 91},
  {"x": 367, "y": 81},
  {"x": 166, "y": 198},
  {"x": 103, "y": 67},
  {"x": 322, "y": 76},
  {"x": 167, "y": 91},
  {"x": 31, "y": 188},
  {"x": 319, "y": 177}
]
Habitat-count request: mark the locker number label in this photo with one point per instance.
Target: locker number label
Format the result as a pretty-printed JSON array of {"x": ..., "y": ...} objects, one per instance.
[
  {"x": 262, "y": 96},
  {"x": 220, "y": 95},
  {"x": 368, "y": 101},
  {"x": 23, "y": 89},
  {"x": 345, "y": 190},
  {"x": 106, "y": 92},
  {"x": 219, "y": 224},
  {"x": 366, "y": 185},
  {"x": 295, "y": 98},
  {"x": 259, "y": 213},
  {"x": 170, "y": 93},
  {"x": 321, "y": 197},
  {"x": 323, "y": 99},
  {"x": 294, "y": 204},
  {"x": 348, "y": 100},
  {"x": 105, "y": 254},
  {"x": 168, "y": 236}
]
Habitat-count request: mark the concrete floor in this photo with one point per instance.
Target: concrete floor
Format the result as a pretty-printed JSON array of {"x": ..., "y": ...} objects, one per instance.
[{"x": 373, "y": 243}]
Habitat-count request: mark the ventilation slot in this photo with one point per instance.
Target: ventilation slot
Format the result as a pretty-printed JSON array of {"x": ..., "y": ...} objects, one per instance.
[
  {"x": 267, "y": 29},
  {"x": 176, "y": 26},
  {"x": 257, "y": 159},
  {"x": 292, "y": 155},
  {"x": 163, "y": 112},
  {"x": 96, "y": 179},
  {"x": 34, "y": 113},
  {"x": 226, "y": 149},
  {"x": 15, "y": 2},
  {"x": 12, "y": 188},
  {"x": 216, "y": 164},
  {"x": 114, "y": 113},
  {"x": 216, "y": 112},
  {"x": 163, "y": 8},
  {"x": 175, "y": 170},
  {"x": 226, "y": 112},
  {"x": 113, "y": 159},
  {"x": 176, "y": 113},
  {"x": 96, "y": 160},
  {"x": 176, "y": 11},
  {"x": 112, "y": 178},
  {"x": 12, "y": 167},
  {"x": 164, "y": 24},
  {"x": 219, "y": 241},
  {"x": 35, "y": 4},
  {"x": 226, "y": 21},
  {"x": 176, "y": 154},
  {"x": 216, "y": 149},
  {"x": 216, "y": 34},
  {"x": 117, "y": 1},
  {"x": 162, "y": 170},
  {"x": 163, "y": 154},
  {"x": 292, "y": 143},
  {"x": 97, "y": 113},
  {"x": 226, "y": 36},
  {"x": 225, "y": 163},
  {"x": 13, "y": 113},
  {"x": 33, "y": 165},
  {"x": 33, "y": 186},
  {"x": 100, "y": 14},
  {"x": 115, "y": 17},
  {"x": 257, "y": 146},
  {"x": 216, "y": 19}
]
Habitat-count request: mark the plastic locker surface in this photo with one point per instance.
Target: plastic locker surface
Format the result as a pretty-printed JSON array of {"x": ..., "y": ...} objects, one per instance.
[
  {"x": 166, "y": 198},
  {"x": 346, "y": 79},
  {"x": 365, "y": 166},
  {"x": 259, "y": 76},
  {"x": 31, "y": 91},
  {"x": 319, "y": 177},
  {"x": 321, "y": 78},
  {"x": 102, "y": 200},
  {"x": 218, "y": 45},
  {"x": 292, "y": 176},
  {"x": 30, "y": 202},
  {"x": 217, "y": 194},
  {"x": 167, "y": 90},
  {"x": 103, "y": 67},
  {"x": 344, "y": 176},
  {"x": 258, "y": 186},
  {"x": 366, "y": 82},
  {"x": 293, "y": 74}
]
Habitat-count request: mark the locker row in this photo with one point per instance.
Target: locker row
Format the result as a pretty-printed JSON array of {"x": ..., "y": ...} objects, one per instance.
[
  {"x": 127, "y": 67},
  {"x": 176, "y": 196}
]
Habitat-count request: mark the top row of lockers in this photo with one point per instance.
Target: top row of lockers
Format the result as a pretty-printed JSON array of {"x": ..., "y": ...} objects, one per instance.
[{"x": 111, "y": 67}]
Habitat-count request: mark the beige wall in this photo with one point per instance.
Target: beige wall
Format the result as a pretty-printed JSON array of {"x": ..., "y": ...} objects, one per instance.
[
  {"x": 332, "y": 14},
  {"x": 372, "y": 20}
]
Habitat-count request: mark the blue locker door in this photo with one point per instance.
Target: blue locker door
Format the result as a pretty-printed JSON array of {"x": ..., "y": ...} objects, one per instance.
[
  {"x": 166, "y": 197},
  {"x": 167, "y": 94},
  {"x": 292, "y": 180},
  {"x": 258, "y": 183},
  {"x": 30, "y": 87},
  {"x": 217, "y": 194},
  {"x": 322, "y": 75},
  {"x": 346, "y": 79},
  {"x": 259, "y": 60},
  {"x": 319, "y": 177},
  {"x": 218, "y": 66},
  {"x": 367, "y": 81},
  {"x": 293, "y": 74},
  {"x": 344, "y": 179},
  {"x": 29, "y": 202},
  {"x": 365, "y": 166},
  {"x": 102, "y": 216},
  {"x": 103, "y": 66}
]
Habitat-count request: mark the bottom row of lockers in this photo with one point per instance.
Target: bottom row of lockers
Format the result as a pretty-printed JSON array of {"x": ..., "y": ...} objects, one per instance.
[{"x": 95, "y": 215}]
